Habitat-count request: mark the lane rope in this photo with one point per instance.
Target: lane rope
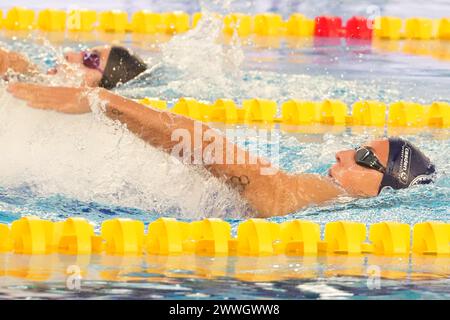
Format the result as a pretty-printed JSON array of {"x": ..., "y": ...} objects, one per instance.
[
  {"x": 255, "y": 237},
  {"x": 264, "y": 24},
  {"x": 301, "y": 112}
]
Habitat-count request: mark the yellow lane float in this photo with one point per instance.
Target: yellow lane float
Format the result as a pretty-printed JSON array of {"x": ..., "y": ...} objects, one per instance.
[
  {"x": 52, "y": 20},
  {"x": 255, "y": 237},
  {"x": 81, "y": 20},
  {"x": 300, "y": 112},
  {"x": 19, "y": 19},
  {"x": 265, "y": 24}
]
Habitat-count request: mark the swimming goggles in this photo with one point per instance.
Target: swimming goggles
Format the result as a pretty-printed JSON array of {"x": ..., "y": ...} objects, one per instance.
[
  {"x": 92, "y": 60},
  {"x": 365, "y": 157}
]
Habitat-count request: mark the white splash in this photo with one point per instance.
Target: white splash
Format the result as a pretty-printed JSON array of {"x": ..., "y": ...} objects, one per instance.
[
  {"x": 68, "y": 74},
  {"x": 206, "y": 64},
  {"x": 91, "y": 158},
  {"x": 324, "y": 291}
]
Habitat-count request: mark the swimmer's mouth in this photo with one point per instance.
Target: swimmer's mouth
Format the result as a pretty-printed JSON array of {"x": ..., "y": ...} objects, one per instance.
[{"x": 330, "y": 175}]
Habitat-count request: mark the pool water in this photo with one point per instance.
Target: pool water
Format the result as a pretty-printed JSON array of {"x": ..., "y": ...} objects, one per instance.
[
  {"x": 198, "y": 277},
  {"x": 57, "y": 166}
]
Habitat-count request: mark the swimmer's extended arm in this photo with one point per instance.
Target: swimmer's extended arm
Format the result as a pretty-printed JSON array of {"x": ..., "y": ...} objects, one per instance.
[
  {"x": 276, "y": 193},
  {"x": 61, "y": 99},
  {"x": 16, "y": 62}
]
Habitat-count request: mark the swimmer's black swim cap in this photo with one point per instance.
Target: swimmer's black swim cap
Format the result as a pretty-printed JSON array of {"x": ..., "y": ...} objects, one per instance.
[
  {"x": 122, "y": 66},
  {"x": 406, "y": 166}
]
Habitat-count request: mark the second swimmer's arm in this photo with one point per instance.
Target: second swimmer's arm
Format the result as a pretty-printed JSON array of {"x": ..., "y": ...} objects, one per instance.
[
  {"x": 275, "y": 193},
  {"x": 16, "y": 62}
]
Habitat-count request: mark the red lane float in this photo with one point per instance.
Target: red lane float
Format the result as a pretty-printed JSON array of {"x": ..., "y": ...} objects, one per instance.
[
  {"x": 328, "y": 26},
  {"x": 359, "y": 28}
]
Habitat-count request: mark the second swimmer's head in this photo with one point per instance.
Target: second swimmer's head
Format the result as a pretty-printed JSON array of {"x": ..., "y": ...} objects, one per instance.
[
  {"x": 390, "y": 163},
  {"x": 107, "y": 66}
]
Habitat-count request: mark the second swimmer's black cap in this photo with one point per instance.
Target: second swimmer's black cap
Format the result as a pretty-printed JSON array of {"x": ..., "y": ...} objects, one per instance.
[
  {"x": 406, "y": 166},
  {"x": 121, "y": 67}
]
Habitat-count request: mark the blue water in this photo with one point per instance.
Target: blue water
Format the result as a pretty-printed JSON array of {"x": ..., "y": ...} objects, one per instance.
[{"x": 64, "y": 163}]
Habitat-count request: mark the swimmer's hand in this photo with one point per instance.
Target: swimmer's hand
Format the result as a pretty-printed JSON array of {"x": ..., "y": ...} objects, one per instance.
[
  {"x": 61, "y": 99},
  {"x": 16, "y": 62},
  {"x": 4, "y": 61}
]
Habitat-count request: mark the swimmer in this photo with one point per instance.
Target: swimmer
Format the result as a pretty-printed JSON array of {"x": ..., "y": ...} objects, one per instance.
[
  {"x": 102, "y": 66},
  {"x": 364, "y": 172}
]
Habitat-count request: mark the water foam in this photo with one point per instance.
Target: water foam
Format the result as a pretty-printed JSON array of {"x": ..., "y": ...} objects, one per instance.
[
  {"x": 199, "y": 58},
  {"x": 43, "y": 55},
  {"x": 91, "y": 158}
]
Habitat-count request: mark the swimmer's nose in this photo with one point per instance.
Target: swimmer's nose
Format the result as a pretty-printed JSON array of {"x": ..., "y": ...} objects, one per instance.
[
  {"x": 338, "y": 156},
  {"x": 72, "y": 57},
  {"x": 344, "y": 157}
]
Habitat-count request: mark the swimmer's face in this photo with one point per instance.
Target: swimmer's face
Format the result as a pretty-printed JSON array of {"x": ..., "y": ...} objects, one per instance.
[
  {"x": 91, "y": 76},
  {"x": 355, "y": 179}
]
